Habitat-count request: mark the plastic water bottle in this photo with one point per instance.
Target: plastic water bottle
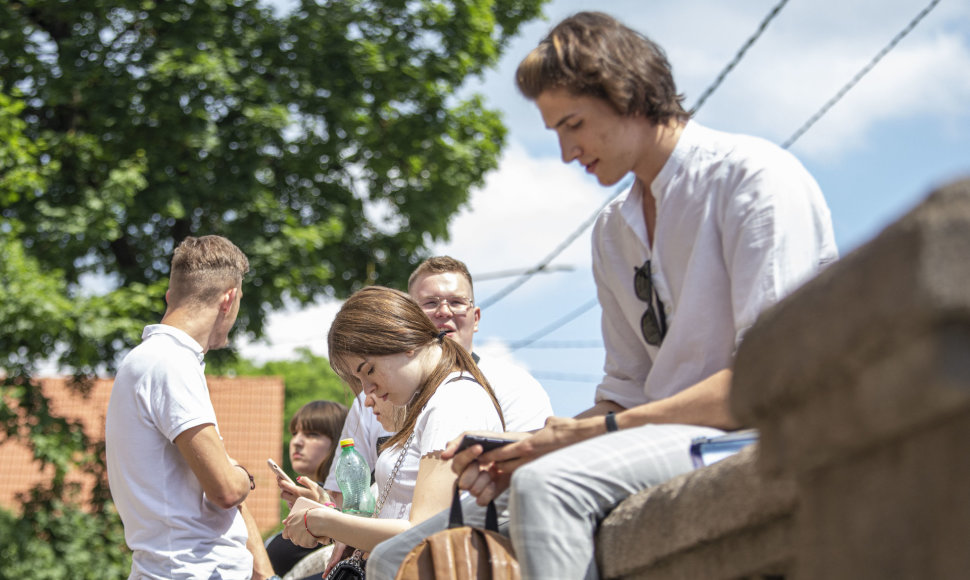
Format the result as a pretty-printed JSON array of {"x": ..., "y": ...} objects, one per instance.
[{"x": 353, "y": 478}]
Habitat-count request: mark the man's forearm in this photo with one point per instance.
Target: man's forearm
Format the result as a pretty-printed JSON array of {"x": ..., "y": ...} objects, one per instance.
[
  {"x": 704, "y": 403},
  {"x": 262, "y": 567},
  {"x": 600, "y": 408}
]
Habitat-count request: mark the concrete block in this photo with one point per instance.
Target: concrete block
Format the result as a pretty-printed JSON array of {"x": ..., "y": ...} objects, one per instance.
[{"x": 721, "y": 521}]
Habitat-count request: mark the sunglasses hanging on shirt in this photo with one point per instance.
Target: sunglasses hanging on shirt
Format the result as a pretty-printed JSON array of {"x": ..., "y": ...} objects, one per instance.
[{"x": 653, "y": 323}]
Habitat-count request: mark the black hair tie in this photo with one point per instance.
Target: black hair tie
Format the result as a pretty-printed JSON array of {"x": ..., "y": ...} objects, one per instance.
[{"x": 442, "y": 334}]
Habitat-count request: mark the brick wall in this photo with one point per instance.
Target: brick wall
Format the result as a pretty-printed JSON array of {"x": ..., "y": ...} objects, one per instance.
[{"x": 250, "y": 414}]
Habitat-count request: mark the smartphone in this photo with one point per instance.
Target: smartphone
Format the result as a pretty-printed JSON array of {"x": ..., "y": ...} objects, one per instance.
[
  {"x": 279, "y": 471},
  {"x": 487, "y": 443}
]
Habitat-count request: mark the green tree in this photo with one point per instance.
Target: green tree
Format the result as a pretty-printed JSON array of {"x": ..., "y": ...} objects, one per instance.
[
  {"x": 328, "y": 143},
  {"x": 51, "y": 537}
]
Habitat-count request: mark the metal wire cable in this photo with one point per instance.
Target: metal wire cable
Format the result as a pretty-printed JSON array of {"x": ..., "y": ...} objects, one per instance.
[
  {"x": 559, "y": 249},
  {"x": 737, "y": 57},
  {"x": 858, "y": 76},
  {"x": 554, "y": 326}
]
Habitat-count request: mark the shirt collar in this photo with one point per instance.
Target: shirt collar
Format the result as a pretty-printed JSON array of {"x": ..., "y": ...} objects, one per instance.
[
  {"x": 180, "y": 336},
  {"x": 631, "y": 207},
  {"x": 677, "y": 160},
  {"x": 632, "y": 211}
]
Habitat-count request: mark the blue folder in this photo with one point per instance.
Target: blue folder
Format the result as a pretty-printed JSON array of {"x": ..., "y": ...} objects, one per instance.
[{"x": 710, "y": 450}]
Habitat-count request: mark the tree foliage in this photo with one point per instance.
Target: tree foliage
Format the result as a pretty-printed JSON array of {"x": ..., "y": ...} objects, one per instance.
[{"x": 329, "y": 143}]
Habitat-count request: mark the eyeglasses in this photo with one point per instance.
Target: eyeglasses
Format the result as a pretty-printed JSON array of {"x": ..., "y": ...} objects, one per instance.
[
  {"x": 457, "y": 304},
  {"x": 653, "y": 327}
]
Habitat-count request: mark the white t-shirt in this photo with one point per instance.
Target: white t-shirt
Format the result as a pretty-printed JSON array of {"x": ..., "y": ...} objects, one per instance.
[
  {"x": 525, "y": 407},
  {"x": 525, "y": 404},
  {"x": 457, "y": 405},
  {"x": 740, "y": 224},
  {"x": 174, "y": 531}
]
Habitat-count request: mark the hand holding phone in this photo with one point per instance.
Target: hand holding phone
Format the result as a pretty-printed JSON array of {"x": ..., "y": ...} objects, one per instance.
[
  {"x": 487, "y": 443},
  {"x": 279, "y": 471}
]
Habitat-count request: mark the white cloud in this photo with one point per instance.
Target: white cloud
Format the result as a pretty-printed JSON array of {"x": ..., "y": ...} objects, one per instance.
[
  {"x": 290, "y": 329},
  {"x": 525, "y": 210}
]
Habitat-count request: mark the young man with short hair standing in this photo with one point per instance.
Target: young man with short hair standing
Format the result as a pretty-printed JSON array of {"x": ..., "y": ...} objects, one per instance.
[{"x": 179, "y": 493}]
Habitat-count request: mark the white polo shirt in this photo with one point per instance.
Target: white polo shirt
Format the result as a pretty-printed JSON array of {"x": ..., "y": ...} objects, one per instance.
[{"x": 174, "y": 531}]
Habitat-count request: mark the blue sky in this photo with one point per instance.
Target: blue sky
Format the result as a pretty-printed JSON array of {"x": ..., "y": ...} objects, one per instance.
[{"x": 903, "y": 130}]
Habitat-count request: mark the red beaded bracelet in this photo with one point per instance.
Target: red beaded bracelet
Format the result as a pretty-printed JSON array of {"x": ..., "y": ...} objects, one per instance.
[{"x": 307, "y": 526}]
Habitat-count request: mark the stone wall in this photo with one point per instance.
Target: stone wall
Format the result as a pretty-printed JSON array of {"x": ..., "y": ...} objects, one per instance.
[{"x": 860, "y": 386}]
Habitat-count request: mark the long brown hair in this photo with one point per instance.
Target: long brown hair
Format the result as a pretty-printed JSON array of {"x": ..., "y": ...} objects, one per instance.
[
  {"x": 325, "y": 418},
  {"x": 593, "y": 54},
  {"x": 379, "y": 321}
]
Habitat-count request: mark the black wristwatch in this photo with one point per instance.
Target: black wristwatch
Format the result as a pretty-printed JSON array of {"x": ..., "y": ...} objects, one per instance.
[{"x": 611, "y": 423}]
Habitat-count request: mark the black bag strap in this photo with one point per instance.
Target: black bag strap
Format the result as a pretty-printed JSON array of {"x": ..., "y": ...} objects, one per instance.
[
  {"x": 456, "y": 518},
  {"x": 461, "y": 377}
]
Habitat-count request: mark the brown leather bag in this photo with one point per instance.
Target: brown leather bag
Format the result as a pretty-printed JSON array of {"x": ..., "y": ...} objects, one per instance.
[{"x": 462, "y": 552}]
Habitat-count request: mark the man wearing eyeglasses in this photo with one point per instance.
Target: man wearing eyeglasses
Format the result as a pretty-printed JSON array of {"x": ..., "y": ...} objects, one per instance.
[{"x": 442, "y": 286}]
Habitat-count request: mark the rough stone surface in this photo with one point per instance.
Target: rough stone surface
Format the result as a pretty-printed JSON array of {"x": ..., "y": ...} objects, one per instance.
[
  {"x": 713, "y": 519},
  {"x": 900, "y": 510},
  {"x": 867, "y": 404}
]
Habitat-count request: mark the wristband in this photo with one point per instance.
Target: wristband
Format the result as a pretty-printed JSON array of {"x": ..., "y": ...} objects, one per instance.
[
  {"x": 307, "y": 525},
  {"x": 611, "y": 423},
  {"x": 252, "y": 482}
]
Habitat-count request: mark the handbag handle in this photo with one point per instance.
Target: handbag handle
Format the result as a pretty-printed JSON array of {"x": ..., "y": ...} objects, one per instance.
[{"x": 456, "y": 519}]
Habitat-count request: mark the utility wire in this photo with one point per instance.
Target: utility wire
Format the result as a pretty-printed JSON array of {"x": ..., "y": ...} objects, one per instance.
[
  {"x": 560, "y": 344},
  {"x": 559, "y": 249},
  {"x": 858, "y": 76},
  {"x": 519, "y": 272},
  {"x": 555, "y": 325},
  {"x": 737, "y": 58},
  {"x": 566, "y": 377}
]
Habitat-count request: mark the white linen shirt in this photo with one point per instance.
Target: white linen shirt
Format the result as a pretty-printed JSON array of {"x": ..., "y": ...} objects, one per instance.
[{"x": 740, "y": 224}]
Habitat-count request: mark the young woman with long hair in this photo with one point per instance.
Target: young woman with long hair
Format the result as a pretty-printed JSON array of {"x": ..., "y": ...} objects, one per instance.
[{"x": 383, "y": 344}]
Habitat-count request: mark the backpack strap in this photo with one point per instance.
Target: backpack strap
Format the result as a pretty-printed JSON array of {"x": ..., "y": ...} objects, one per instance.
[{"x": 456, "y": 518}]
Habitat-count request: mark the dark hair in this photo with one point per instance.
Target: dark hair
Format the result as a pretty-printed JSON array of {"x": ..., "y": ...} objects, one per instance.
[
  {"x": 593, "y": 54},
  {"x": 325, "y": 418},
  {"x": 441, "y": 265},
  {"x": 205, "y": 267},
  {"x": 379, "y": 321}
]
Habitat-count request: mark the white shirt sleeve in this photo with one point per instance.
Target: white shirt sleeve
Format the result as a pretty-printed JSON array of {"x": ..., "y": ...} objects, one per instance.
[
  {"x": 458, "y": 406},
  {"x": 775, "y": 236}
]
